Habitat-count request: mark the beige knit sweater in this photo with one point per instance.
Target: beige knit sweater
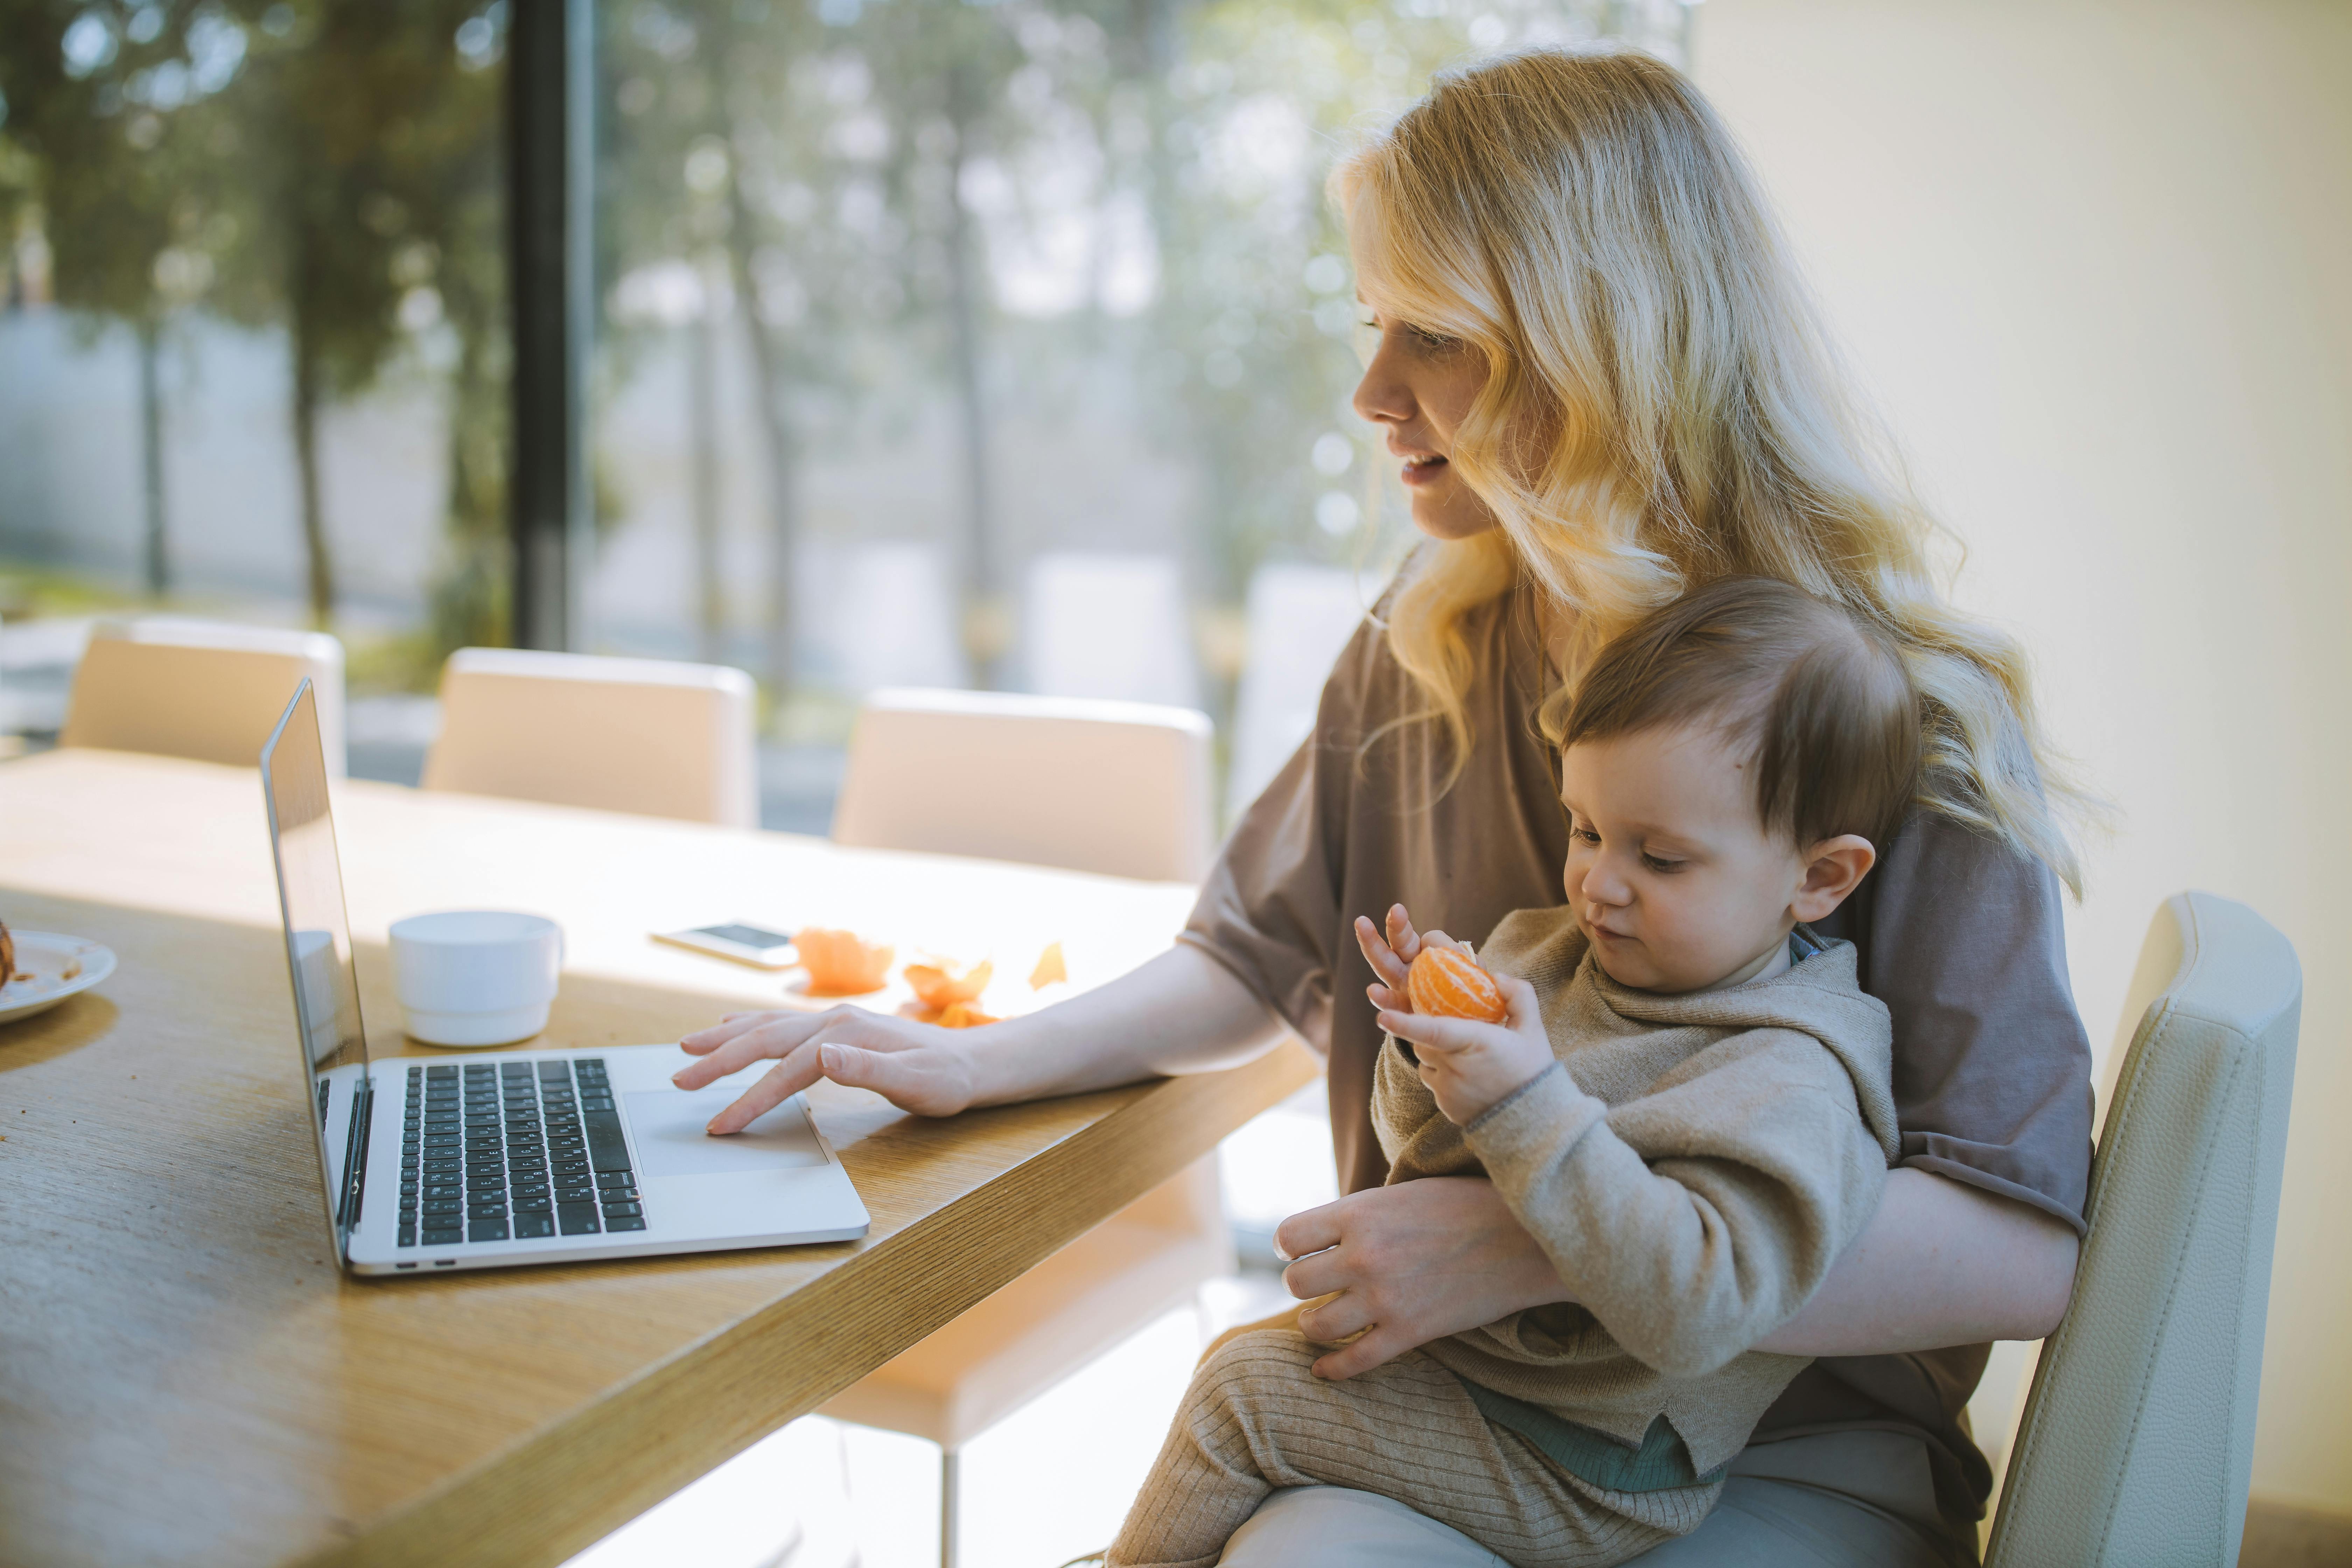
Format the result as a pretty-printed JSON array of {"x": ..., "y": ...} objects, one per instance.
[{"x": 1692, "y": 1167}]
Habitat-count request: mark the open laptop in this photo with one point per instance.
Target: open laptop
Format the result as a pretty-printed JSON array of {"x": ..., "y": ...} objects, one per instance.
[{"x": 483, "y": 1159}]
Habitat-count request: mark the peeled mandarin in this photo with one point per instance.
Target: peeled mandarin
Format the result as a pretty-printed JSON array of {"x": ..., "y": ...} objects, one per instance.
[
  {"x": 842, "y": 963},
  {"x": 944, "y": 984},
  {"x": 1449, "y": 985}
]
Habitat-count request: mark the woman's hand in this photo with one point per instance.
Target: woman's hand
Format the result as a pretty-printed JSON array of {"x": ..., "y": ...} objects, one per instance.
[
  {"x": 916, "y": 1066},
  {"x": 1182, "y": 1012},
  {"x": 1408, "y": 1264}
]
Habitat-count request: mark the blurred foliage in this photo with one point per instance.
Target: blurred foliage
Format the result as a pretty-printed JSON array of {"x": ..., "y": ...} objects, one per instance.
[
  {"x": 327, "y": 166},
  {"x": 1013, "y": 209},
  {"x": 879, "y": 179}
]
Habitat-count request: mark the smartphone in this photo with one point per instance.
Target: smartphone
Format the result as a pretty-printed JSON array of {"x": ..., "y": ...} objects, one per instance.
[{"x": 739, "y": 941}]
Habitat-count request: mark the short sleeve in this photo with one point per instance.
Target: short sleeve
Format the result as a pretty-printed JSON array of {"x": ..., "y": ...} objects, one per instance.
[{"x": 1962, "y": 937}]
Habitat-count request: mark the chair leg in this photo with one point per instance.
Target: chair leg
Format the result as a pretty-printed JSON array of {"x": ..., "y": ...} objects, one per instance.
[{"x": 948, "y": 1479}]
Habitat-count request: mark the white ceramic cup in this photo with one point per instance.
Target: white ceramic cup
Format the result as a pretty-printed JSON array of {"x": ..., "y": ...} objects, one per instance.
[{"x": 475, "y": 977}]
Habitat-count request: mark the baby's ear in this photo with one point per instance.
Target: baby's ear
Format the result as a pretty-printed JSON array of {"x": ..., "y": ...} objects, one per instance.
[{"x": 1833, "y": 868}]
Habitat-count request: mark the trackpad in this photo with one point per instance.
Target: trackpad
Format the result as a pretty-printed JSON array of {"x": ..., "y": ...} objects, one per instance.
[{"x": 667, "y": 1125}]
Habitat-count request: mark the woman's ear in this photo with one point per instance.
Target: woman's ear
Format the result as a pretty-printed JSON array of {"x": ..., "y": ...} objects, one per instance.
[{"x": 1833, "y": 868}]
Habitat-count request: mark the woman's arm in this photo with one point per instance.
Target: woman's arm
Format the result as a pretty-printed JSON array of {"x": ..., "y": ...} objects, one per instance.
[
  {"x": 1940, "y": 1263},
  {"x": 1182, "y": 1012}
]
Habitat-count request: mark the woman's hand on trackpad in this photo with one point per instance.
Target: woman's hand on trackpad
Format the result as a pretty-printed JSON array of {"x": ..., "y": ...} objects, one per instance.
[{"x": 915, "y": 1066}]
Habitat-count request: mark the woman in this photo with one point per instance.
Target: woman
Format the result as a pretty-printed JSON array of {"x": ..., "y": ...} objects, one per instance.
[{"x": 1604, "y": 384}]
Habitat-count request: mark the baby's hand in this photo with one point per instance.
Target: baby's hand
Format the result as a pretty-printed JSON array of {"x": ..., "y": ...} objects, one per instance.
[
  {"x": 1468, "y": 1066},
  {"x": 1392, "y": 958}
]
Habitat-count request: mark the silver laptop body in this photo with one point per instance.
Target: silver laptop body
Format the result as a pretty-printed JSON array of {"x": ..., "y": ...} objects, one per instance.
[{"x": 484, "y": 1158}]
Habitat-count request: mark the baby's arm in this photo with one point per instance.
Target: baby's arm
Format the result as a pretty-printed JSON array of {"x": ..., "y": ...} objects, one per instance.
[
  {"x": 1468, "y": 1066},
  {"x": 1693, "y": 1221}
]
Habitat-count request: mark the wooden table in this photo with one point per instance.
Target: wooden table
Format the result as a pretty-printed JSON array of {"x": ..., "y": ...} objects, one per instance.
[{"x": 187, "y": 1377}]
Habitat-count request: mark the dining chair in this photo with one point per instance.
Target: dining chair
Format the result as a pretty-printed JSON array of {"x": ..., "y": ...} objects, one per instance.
[
  {"x": 1111, "y": 787},
  {"x": 1089, "y": 785},
  {"x": 209, "y": 691},
  {"x": 649, "y": 736},
  {"x": 2136, "y": 1442}
]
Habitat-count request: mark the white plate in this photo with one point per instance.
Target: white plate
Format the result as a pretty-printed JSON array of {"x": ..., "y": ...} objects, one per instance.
[{"x": 59, "y": 966}]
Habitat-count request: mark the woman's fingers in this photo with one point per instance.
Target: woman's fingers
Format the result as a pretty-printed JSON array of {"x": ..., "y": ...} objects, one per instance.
[
  {"x": 1379, "y": 1345},
  {"x": 1383, "y": 998},
  {"x": 1309, "y": 1230},
  {"x": 795, "y": 1073},
  {"x": 1335, "y": 1318},
  {"x": 703, "y": 1041},
  {"x": 1318, "y": 1274}
]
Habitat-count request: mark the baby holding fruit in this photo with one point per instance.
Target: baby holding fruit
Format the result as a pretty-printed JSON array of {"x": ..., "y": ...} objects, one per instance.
[{"x": 1680, "y": 1091}]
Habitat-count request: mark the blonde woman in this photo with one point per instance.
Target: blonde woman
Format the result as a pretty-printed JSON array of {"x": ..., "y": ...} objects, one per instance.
[{"x": 1604, "y": 384}]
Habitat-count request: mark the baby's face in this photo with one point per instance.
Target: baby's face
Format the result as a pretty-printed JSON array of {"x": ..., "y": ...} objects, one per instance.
[{"x": 1672, "y": 875}]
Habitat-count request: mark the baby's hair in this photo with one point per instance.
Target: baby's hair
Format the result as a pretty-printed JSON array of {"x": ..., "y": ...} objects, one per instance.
[{"x": 1817, "y": 697}]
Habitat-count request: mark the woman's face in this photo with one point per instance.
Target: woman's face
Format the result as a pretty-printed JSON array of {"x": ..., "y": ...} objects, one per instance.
[{"x": 1418, "y": 388}]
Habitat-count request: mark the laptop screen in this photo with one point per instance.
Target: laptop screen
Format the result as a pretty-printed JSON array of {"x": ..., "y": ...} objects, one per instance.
[{"x": 319, "y": 955}]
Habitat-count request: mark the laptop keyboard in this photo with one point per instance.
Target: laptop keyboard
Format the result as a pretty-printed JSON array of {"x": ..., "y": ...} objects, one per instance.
[{"x": 492, "y": 1151}]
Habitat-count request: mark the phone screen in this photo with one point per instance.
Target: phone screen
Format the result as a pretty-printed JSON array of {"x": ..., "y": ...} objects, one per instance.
[{"x": 744, "y": 936}]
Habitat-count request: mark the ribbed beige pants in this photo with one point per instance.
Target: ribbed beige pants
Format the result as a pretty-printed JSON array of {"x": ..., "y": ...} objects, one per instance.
[{"x": 1256, "y": 1418}]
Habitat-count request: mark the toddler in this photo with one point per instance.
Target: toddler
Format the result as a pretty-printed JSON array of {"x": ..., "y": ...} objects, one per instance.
[{"x": 1686, "y": 1104}]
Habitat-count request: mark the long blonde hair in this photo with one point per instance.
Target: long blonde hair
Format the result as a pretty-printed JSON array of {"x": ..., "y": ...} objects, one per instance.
[{"x": 1584, "y": 221}]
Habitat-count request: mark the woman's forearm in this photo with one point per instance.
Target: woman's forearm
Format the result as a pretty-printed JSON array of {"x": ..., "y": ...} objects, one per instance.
[
  {"x": 1182, "y": 1012},
  {"x": 1941, "y": 1263}
]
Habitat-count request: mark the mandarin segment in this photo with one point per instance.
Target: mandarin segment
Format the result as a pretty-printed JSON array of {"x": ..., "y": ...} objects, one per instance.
[
  {"x": 1449, "y": 985},
  {"x": 945, "y": 983},
  {"x": 842, "y": 963}
]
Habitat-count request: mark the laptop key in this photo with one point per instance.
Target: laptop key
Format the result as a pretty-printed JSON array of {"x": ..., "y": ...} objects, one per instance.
[
  {"x": 536, "y": 1203},
  {"x": 577, "y": 1219},
  {"x": 487, "y": 1230},
  {"x": 526, "y": 1226},
  {"x": 627, "y": 1222},
  {"x": 407, "y": 1236},
  {"x": 623, "y": 1208}
]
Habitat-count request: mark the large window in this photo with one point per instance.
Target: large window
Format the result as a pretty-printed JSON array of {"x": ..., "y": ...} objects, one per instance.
[{"x": 937, "y": 343}]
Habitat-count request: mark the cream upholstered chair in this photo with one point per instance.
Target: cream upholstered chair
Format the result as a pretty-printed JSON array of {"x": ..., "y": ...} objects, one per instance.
[
  {"x": 1120, "y": 788},
  {"x": 643, "y": 735},
  {"x": 2137, "y": 1437},
  {"x": 1114, "y": 787},
  {"x": 211, "y": 690}
]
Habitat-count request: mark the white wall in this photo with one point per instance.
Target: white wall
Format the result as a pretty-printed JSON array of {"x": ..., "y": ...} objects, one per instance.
[{"x": 2093, "y": 260}]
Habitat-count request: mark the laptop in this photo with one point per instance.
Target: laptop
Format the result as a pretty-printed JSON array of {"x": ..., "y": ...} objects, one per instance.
[{"x": 488, "y": 1159}]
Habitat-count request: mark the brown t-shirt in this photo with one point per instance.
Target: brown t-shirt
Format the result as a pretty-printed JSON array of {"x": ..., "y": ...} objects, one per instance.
[{"x": 1956, "y": 934}]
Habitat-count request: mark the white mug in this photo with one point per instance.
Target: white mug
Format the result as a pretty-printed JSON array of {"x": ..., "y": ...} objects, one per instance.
[{"x": 475, "y": 977}]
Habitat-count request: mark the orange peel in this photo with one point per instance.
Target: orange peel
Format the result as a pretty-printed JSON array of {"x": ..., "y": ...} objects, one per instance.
[
  {"x": 1050, "y": 967},
  {"x": 945, "y": 983},
  {"x": 1447, "y": 984},
  {"x": 962, "y": 1015},
  {"x": 842, "y": 963}
]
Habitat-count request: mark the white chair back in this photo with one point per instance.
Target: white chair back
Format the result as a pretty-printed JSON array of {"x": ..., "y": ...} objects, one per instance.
[
  {"x": 2137, "y": 1438},
  {"x": 210, "y": 691},
  {"x": 647, "y": 736},
  {"x": 1120, "y": 788}
]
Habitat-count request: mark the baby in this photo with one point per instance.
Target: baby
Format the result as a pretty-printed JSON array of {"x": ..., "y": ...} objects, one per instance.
[{"x": 1686, "y": 1104}]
